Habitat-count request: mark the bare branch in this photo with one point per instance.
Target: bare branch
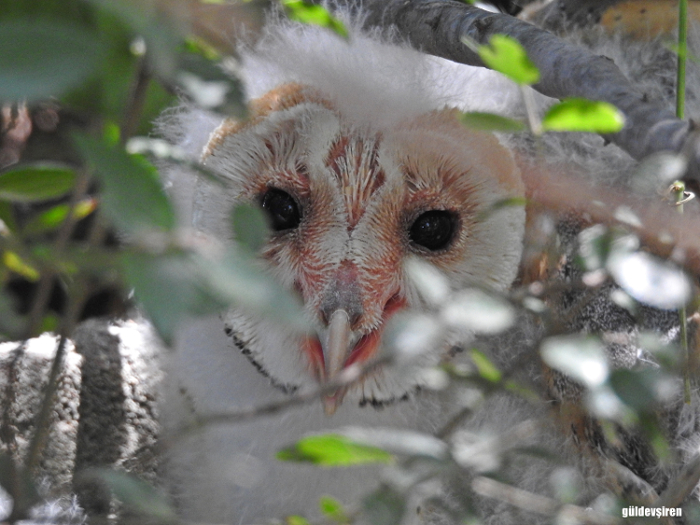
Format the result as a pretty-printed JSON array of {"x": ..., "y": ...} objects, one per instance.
[
  {"x": 437, "y": 27},
  {"x": 532, "y": 502}
]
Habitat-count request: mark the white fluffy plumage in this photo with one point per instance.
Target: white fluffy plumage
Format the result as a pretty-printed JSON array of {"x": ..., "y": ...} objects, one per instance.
[{"x": 328, "y": 117}]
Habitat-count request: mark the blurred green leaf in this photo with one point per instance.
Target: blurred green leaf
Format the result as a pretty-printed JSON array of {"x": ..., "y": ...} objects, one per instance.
[
  {"x": 15, "y": 263},
  {"x": 7, "y": 216},
  {"x": 296, "y": 520},
  {"x": 174, "y": 285},
  {"x": 36, "y": 182},
  {"x": 169, "y": 287},
  {"x": 491, "y": 122},
  {"x": 309, "y": 13},
  {"x": 332, "y": 450},
  {"x": 54, "y": 217},
  {"x": 141, "y": 19},
  {"x": 135, "y": 494},
  {"x": 132, "y": 194},
  {"x": 578, "y": 114},
  {"x": 580, "y": 357},
  {"x": 333, "y": 509},
  {"x": 477, "y": 310},
  {"x": 642, "y": 390},
  {"x": 250, "y": 226},
  {"x": 485, "y": 367},
  {"x": 507, "y": 56},
  {"x": 42, "y": 58}
]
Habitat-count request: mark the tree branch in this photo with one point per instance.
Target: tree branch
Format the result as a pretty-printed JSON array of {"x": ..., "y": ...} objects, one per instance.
[{"x": 437, "y": 27}]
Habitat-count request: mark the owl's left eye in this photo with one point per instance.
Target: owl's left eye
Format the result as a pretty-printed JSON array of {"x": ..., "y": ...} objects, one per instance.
[
  {"x": 433, "y": 229},
  {"x": 282, "y": 209}
]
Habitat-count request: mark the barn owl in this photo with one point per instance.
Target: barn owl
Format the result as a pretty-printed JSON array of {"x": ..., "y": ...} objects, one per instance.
[{"x": 354, "y": 152}]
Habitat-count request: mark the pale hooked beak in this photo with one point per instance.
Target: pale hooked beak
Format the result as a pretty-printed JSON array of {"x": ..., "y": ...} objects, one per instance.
[{"x": 335, "y": 353}]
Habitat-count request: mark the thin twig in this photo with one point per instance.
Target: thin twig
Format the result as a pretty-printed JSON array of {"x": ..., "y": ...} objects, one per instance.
[
  {"x": 345, "y": 379},
  {"x": 537, "y": 504},
  {"x": 137, "y": 99},
  {"x": 43, "y": 293}
]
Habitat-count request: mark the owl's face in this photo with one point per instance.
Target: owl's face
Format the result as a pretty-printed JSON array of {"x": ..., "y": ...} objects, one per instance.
[{"x": 348, "y": 204}]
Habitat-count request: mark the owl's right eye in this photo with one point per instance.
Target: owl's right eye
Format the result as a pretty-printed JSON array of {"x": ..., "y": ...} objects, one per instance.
[{"x": 282, "y": 209}]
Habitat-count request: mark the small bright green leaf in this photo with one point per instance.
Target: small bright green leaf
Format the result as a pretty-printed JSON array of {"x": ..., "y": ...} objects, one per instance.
[
  {"x": 491, "y": 122},
  {"x": 43, "y": 58},
  {"x": 36, "y": 182},
  {"x": 578, "y": 114},
  {"x": 308, "y": 13},
  {"x": 507, "y": 56},
  {"x": 485, "y": 367},
  {"x": 250, "y": 226},
  {"x": 333, "y": 509},
  {"x": 54, "y": 217},
  {"x": 332, "y": 450},
  {"x": 49, "y": 323},
  {"x": 15, "y": 263},
  {"x": 136, "y": 494},
  {"x": 131, "y": 190},
  {"x": 296, "y": 520}
]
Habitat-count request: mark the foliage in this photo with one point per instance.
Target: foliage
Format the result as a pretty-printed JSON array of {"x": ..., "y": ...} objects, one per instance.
[{"x": 111, "y": 67}]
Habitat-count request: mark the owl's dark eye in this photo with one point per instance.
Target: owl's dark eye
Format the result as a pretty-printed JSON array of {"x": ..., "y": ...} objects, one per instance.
[
  {"x": 433, "y": 229},
  {"x": 282, "y": 209}
]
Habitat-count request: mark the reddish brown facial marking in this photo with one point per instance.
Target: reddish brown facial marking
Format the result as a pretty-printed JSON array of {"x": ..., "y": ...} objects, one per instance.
[{"x": 354, "y": 161}]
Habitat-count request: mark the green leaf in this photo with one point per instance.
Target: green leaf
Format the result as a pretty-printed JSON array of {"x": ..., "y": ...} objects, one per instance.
[
  {"x": 131, "y": 190},
  {"x": 332, "y": 450},
  {"x": 42, "y": 58},
  {"x": 36, "y": 182},
  {"x": 15, "y": 263},
  {"x": 581, "y": 357},
  {"x": 7, "y": 216},
  {"x": 296, "y": 520},
  {"x": 642, "y": 390},
  {"x": 485, "y": 367},
  {"x": 136, "y": 494},
  {"x": 250, "y": 226},
  {"x": 333, "y": 509},
  {"x": 54, "y": 217},
  {"x": 578, "y": 114},
  {"x": 507, "y": 56},
  {"x": 177, "y": 284},
  {"x": 308, "y": 13},
  {"x": 169, "y": 287},
  {"x": 491, "y": 122}
]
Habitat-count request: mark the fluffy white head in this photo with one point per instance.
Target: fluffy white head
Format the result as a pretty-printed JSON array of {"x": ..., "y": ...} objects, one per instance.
[{"x": 350, "y": 150}]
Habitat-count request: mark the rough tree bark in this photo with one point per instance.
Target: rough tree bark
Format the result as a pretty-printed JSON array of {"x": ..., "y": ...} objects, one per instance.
[{"x": 437, "y": 27}]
